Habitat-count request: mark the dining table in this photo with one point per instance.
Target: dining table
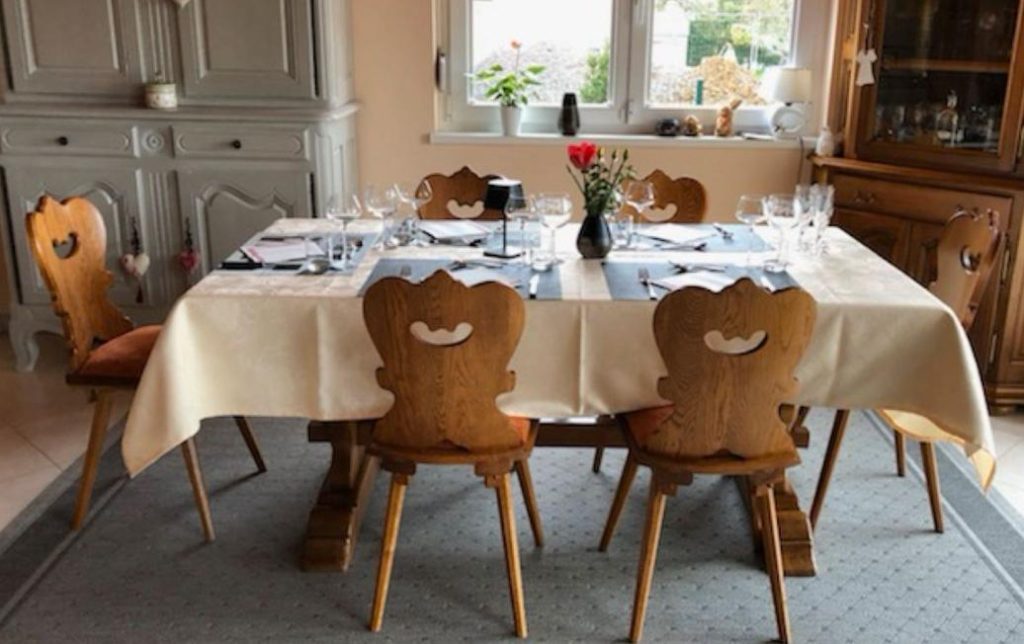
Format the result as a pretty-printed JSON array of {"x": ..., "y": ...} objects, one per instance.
[{"x": 269, "y": 341}]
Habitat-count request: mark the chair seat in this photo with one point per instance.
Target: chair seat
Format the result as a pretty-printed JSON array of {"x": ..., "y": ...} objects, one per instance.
[
  {"x": 641, "y": 424},
  {"x": 450, "y": 453},
  {"x": 119, "y": 361}
]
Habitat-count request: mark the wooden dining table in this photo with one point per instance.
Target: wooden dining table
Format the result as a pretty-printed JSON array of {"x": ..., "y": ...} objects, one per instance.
[{"x": 881, "y": 342}]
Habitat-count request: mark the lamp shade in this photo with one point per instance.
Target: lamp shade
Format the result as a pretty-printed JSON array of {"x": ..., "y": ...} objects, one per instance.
[
  {"x": 501, "y": 191},
  {"x": 788, "y": 85}
]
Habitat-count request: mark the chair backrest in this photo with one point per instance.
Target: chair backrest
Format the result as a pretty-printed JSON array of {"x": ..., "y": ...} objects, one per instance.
[
  {"x": 684, "y": 198},
  {"x": 730, "y": 359},
  {"x": 77, "y": 279},
  {"x": 965, "y": 258},
  {"x": 464, "y": 188},
  {"x": 446, "y": 349}
]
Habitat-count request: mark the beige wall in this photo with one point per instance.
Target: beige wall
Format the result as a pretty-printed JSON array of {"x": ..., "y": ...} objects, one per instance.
[{"x": 394, "y": 52}]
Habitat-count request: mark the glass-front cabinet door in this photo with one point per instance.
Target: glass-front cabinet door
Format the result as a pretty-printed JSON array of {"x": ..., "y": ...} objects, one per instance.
[{"x": 948, "y": 83}]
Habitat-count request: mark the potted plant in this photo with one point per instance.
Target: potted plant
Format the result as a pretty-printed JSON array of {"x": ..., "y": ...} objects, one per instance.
[
  {"x": 597, "y": 175},
  {"x": 510, "y": 88}
]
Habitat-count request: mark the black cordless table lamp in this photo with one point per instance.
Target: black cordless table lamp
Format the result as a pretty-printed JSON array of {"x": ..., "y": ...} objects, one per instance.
[{"x": 502, "y": 193}]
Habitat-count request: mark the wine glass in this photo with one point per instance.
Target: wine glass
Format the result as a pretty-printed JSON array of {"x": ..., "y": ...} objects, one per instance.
[
  {"x": 416, "y": 195},
  {"x": 639, "y": 195},
  {"x": 751, "y": 211},
  {"x": 782, "y": 216},
  {"x": 345, "y": 211},
  {"x": 522, "y": 210},
  {"x": 822, "y": 205},
  {"x": 382, "y": 204},
  {"x": 554, "y": 210},
  {"x": 804, "y": 212}
]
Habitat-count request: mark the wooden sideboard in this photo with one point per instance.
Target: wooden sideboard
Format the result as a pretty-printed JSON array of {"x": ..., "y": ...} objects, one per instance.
[{"x": 265, "y": 129}]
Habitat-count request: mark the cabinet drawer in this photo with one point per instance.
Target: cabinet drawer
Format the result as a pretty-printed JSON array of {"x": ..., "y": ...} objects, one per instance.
[
  {"x": 913, "y": 201},
  {"x": 95, "y": 140},
  {"x": 221, "y": 143}
]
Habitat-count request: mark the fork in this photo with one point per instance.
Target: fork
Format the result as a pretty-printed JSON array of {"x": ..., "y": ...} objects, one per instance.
[
  {"x": 645, "y": 279},
  {"x": 723, "y": 231}
]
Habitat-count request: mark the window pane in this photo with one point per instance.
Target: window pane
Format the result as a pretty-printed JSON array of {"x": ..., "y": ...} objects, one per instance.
[
  {"x": 726, "y": 44},
  {"x": 571, "y": 38}
]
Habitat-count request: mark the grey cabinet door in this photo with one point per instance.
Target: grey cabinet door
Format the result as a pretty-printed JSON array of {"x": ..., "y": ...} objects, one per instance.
[
  {"x": 73, "y": 47},
  {"x": 112, "y": 191},
  {"x": 271, "y": 57},
  {"x": 224, "y": 208}
]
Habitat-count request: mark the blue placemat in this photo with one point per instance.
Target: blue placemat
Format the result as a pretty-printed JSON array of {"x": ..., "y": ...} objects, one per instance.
[
  {"x": 741, "y": 241},
  {"x": 623, "y": 278},
  {"x": 360, "y": 243},
  {"x": 549, "y": 288}
]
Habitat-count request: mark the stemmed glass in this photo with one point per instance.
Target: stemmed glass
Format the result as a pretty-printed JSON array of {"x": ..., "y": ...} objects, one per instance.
[
  {"x": 382, "y": 204},
  {"x": 822, "y": 205},
  {"x": 639, "y": 195},
  {"x": 804, "y": 213},
  {"x": 415, "y": 195},
  {"x": 345, "y": 211},
  {"x": 751, "y": 211},
  {"x": 782, "y": 216},
  {"x": 522, "y": 211},
  {"x": 554, "y": 211}
]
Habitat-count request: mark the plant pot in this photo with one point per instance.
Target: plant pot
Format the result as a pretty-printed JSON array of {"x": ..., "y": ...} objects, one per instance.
[
  {"x": 595, "y": 238},
  {"x": 511, "y": 119}
]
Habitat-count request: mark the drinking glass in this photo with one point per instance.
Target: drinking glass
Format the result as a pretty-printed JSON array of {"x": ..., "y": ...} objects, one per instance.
[
  {"x": 823, "y": 204},
  {"x": 382, "y": 204},
  {"x": 639, "y": 195},
  {"x": 625, "y": 230},
  {"x": 522, "y": 211},
  {"x": 415, "y": 195},
  {"x": 782, "y": 217},
  {"x": 804, "y": 213},
  {"x": 751, "y": 211},
  {"x": 554, "y": 211},
  {"x": 345, "y": 211}
]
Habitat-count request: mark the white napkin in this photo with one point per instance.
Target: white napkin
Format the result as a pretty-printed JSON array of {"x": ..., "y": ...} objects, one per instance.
[
  {"x": 280, "y": 251},
  {"x": 713, "y": 281},
  {"x": 442, "y": 230},
  {"x": 477, "y": 275},
  {"x": 674, "y": 233}
]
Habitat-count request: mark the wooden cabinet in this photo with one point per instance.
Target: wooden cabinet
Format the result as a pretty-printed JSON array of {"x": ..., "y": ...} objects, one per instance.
[{"x": 884, "y": 235}]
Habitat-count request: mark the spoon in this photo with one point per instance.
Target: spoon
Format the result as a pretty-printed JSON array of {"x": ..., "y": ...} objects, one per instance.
[{"x": 315, "y": 266}]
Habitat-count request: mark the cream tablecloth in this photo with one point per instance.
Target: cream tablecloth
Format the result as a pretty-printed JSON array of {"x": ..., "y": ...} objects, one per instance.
[{"x": 286, "y": 345}]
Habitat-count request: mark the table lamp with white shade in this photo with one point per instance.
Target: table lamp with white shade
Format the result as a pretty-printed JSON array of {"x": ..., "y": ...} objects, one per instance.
[{"x": 790, "y": 86}]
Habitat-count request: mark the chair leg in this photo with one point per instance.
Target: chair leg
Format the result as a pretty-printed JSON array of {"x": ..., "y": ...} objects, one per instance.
[
  {"x": 598, "y": 457},
  {"x": 530, "y": 498},
  {"x": 508, "y": 533},
  {"x": 931, "y": 477},
  {"x": 648, "y": 554},
  {"x": 396, "y": 497},
  {"x": 901, "y": 454},
  {"x": 835, "y": 439},
  {"x": 250, "y": 442},
  {"x": 773, "y": 560},
  {"x": 195, "y": 475},
  {"x": 97, "y": 434},
  {"x": 625, "y": 482}
]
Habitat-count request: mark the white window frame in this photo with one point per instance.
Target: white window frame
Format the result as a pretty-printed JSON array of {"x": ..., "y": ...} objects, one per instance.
[{"x": 627, "y": 111}]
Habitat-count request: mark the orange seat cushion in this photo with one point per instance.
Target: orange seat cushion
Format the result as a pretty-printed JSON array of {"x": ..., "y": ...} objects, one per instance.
[
  {"x": 522, "y": 427},
  {"x": 641, "y": 424},
  {"x": 123, "y": 357}
]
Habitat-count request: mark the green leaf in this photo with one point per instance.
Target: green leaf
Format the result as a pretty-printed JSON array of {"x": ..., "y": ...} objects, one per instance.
[{"x": 535, "y": 69}]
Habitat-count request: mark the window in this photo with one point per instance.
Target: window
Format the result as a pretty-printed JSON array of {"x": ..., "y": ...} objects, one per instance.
[{"x": 630, "y": 62}]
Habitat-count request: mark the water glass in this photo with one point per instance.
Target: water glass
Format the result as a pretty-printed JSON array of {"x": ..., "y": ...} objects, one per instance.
[
  {"x": 415, "y": 195},
  {"x": 823, "y": 204},
  {"x": 804, "y": 214},
  {"x": 382, "y": 204},
  {"x": 344, "y": 211},
  {"x": 624, "y": 230},
  {"x": 751, "y": 211},
  {"x": 782, "y": 217},
  {"x": 523, "y": 211}
]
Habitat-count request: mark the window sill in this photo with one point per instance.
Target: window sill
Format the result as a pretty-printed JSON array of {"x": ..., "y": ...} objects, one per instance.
[{"x": 634, "y": 140}]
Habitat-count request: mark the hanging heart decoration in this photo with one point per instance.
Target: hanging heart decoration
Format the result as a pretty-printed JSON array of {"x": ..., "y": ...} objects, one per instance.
[{"x": 136, "y": 263}]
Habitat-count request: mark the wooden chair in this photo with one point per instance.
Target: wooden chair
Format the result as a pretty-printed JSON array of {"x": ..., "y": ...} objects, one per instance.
[
  {"x": 108, "y": 354},
  {"x": 464, "y": 188},
  {"x": 965, "y": 257},
  {"x": 730, "y": 360},
  {"x": 685, "y": 196},
  {"x": 445, "y": 349}
]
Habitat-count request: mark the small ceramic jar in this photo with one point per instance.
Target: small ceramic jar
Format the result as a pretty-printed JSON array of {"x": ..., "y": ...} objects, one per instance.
[{"x": 161, "y": 96}]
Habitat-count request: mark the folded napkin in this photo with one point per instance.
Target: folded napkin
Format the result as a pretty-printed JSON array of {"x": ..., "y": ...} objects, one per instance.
[
  {"x": 280, "y": 251},
  {"x": 478, "y": 274},
  {"x": 713, "y": 281},
  {"x": 674, "y": 233},
  {"x": 454, "y": 230}
]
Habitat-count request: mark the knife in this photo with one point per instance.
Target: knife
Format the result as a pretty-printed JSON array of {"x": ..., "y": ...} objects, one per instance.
[{"x": 534, "y": 284}]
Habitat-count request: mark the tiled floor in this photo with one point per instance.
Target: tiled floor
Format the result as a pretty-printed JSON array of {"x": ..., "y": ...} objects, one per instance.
[{"x": 44, "y": 425}]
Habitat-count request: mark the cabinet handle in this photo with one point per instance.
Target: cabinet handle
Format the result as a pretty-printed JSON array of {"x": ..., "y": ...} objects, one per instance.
[
  {"x": 236, "y": 144},
  {"x": 62, "y": 140},
  {"x": 864, "y": 198}
]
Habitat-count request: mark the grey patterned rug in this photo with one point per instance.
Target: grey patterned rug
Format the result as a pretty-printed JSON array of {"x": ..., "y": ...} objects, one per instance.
[{"x": 139, "y": 571}]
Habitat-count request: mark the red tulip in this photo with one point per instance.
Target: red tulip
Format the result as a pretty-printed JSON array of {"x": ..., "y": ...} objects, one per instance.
[{"x": 582, "y": 154}]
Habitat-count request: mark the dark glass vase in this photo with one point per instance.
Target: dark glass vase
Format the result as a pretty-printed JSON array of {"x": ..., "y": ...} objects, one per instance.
[
  {"x": 595, "y": 238},
  {"x": 569, "y": 117}
]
